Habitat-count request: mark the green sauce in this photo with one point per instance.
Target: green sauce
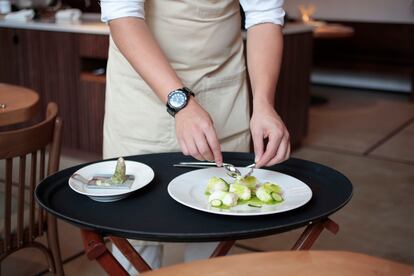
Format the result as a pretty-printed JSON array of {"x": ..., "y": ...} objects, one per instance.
[
  {"x": 257, "y": 202},
  {"x": 253, "y": 202}
]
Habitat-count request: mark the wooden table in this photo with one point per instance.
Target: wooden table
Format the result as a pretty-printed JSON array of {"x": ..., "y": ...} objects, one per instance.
[
  {"x": 289, "y": 263},
  {"x": 17, "y": 104}
]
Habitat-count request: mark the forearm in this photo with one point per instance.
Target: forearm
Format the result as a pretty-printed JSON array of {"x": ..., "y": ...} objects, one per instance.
[
  {"x": 264, "y": 56},
  {"x": 136, "y": 43}
]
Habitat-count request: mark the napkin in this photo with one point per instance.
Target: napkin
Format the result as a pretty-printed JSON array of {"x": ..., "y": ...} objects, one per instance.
[
  {"x": 68, "y": 15},
  {"x": 22, "y": 15}
]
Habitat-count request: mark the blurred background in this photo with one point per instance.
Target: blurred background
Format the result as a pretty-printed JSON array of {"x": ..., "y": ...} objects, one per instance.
[{"x": 346, "y": 93}]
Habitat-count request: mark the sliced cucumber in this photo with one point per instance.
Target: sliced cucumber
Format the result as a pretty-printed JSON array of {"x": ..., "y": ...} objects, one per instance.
[
  {"x": 224, "y": 181},
  {"x": 255, "y": 206},
  {"x": 216, "y": 203},
  {"x": 277, "y": 197}
]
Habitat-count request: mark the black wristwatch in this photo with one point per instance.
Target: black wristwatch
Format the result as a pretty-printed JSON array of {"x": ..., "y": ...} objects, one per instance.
[{"x": 178, "y": 99}]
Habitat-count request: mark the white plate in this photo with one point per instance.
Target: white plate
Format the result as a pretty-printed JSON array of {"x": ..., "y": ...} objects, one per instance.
[
  {"x": 143, "y": 175},
  {"x": 188, "y": 189}
]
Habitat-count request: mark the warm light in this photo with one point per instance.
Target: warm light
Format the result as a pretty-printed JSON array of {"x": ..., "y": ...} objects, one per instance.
[{"x": 307, "y": 12}]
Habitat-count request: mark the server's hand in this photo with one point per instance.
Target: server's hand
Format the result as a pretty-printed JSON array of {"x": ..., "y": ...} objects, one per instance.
[
  {"x": 266, "y": 124},
  {"x": 196, "y": 134}
]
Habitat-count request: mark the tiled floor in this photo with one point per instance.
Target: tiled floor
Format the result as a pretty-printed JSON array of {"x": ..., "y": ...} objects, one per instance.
[
  {"x": 356, "y": 121},
  {"x": 398, "y": 147},
  {"x": 368, "y": 136}
]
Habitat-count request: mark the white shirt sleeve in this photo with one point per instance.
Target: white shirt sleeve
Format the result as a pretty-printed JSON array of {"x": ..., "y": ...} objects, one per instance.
[
  {"x": 263, "y": 11},
  {"x": 112, "y": 9}
]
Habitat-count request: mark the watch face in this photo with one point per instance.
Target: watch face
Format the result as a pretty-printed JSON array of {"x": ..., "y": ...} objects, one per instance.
[{"x": 177, "y": 99}]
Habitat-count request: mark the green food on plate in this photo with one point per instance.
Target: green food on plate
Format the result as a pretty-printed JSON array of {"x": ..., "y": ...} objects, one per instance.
[
  {"x": 269, "y": 192},
  {"x": 249, "y": 181},
  {"x": 222, "y": 198},
  {"x": 242, "y": 191},
  {"x": 119, "y": 175},
  {"x": 224, "y": 195},
  {"x": 216, "y": 184}
]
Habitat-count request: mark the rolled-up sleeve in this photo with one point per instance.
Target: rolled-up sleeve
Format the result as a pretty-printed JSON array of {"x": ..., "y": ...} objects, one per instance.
[
  {"x": 113, "y": 9},
  {"x": 263, "y": 11}
]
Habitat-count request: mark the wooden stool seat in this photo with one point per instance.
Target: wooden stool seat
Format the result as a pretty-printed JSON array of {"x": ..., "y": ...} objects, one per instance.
[
  {"x": 289, "y": 263},
  {"x": 17, "y": 104}
]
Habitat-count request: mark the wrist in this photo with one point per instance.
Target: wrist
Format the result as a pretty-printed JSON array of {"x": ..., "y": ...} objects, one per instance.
[
  {"x": 191, "y": 105},
  {"x": 262, "y": 103}
]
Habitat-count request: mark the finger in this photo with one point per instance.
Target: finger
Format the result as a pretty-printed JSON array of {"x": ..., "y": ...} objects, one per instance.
[
  {"x": 271, "y": 149},
  {"x": 203, "y": 148},
  {"x": 193, "y": 150},
  {"x": 184, "y": 148},
  {"x": 214, "y": 145},
  {"x": 258, "y": 146},
  {"x": 281, "y": 152},
  {"x": 287, "y": 152}
]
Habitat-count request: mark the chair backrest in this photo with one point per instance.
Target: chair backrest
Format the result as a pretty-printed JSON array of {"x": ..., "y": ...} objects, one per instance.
[{"x": 34, "y": 144}]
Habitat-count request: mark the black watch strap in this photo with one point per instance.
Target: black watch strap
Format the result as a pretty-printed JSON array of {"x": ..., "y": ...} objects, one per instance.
[{"x": 188, "y": 92}]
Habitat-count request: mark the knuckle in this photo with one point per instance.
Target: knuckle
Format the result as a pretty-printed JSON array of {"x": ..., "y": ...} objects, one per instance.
[
  {"x": 279, "y": 133},
  {"x": 206, "y": 125}
]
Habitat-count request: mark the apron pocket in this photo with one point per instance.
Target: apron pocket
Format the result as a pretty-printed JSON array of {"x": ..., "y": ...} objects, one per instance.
[
  {"x": 226, "y": 100},
  {"x": 134, "y": 111}
]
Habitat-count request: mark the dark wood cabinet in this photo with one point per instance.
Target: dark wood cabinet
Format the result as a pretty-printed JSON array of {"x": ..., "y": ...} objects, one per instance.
[
  {"x": 375, "y": 47},
  {"x": 293, "y": 89},
  {"x": 93, "y": 53},
  {"x": 93, "y": 46},
  {"x": 11, "y": 41},
  {"x": 51, "y": 68},
  {"x": 91, "y": 112},
  {"x": 52, "y": 64}
]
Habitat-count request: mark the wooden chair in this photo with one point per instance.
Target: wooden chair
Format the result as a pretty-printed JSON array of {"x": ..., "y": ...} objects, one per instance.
[{"x": 39, "y": 145}]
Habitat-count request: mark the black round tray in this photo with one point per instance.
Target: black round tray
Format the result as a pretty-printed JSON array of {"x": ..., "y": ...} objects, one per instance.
[{"x": 151, "y": 214}]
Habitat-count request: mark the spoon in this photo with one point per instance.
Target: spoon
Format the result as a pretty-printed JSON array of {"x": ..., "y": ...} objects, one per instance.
[
  {"x": 231, "y": 170},
  {"x": 234, "y": 172}
]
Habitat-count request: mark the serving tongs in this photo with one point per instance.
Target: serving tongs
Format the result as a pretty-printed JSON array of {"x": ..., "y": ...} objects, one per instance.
[{"x": 231, "y": 170}]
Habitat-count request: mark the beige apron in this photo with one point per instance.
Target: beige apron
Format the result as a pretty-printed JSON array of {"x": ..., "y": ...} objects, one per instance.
[{"x": 202, "y": 41}]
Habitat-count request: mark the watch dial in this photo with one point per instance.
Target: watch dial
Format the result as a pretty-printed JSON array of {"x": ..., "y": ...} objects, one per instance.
[{"x": 177, "y": 99}]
